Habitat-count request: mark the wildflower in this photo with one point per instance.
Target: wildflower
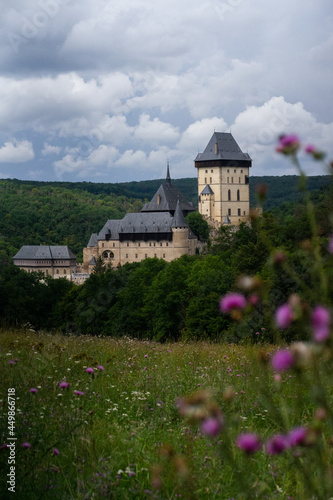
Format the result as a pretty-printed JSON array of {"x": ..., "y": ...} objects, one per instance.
[
  {"x": 79, "y": 393},
  {"x": 276, "y": 444},
  {"x": 248, "y": 442},
  {"x": 315, "y": 153},
  {"x": 297, "y": 436},
  {"x": 55, "y": 451},
  {"x": 283, "y": 316},
  {"x": 100, "y": 367},
  {"x": 232, "y": 301},
  {"x": 212, "y": 426},
  {"x": 33, "y": 390},
  {"x": 288, "y": 144},
  {"x": 89, "y": 370},
  {"x": 26, "y": 445},
  {"x": 320, "y": 323},
  {"x": 64, "y": 385},
  {"x": 282, "y": 360}
]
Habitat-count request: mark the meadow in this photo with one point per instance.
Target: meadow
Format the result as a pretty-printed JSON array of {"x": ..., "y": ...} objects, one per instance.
[{"x": 101, "y": 418}]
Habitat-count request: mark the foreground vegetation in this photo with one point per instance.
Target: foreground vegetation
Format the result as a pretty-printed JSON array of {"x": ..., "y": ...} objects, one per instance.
[{"x": 117, "y": 432}]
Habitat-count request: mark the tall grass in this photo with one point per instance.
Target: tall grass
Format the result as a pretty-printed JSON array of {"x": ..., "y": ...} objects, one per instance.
[{"x": 124, "y": 437}]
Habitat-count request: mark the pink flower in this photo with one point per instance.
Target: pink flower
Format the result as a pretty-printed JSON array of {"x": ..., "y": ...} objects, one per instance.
[
  {"x": 276, "y": 444},
  {"x": 89, "y": 370},
  {"x": 314, "y": 152},
  {"x": 26, "y": 445},
  {"x": 288, "y": 144},
  {"x": 100, "y": 367},
  {"x": 33, "y": 390},
  {"x": 55, "y": 451},
  {"x": 64, "y": 385},
  {"x": 212, "y": 426},
  {"x": 310, "y": 149},
  {"x": 320, "y": 323},
  {"x": 296, "y": 437},
  {"x": 232, "y": 301},
  {"x": 248, "y": 442},
  {"x": 79, "y": 393},
  {"x": 282, "y": 360},
  {"x": 283, "y": 316}
]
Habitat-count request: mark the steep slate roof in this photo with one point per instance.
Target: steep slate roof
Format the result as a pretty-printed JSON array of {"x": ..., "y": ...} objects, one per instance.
[
  {"x": 166, "y": 197},
  {"x": 178, "y": 218},
  {"x": 207, "y": 190},
  {"x": 93, "y": 240},
  {"x": 139, "y": 222},
  {"x": 33, "y": 252},
  {"x": 227, "y": 149}
]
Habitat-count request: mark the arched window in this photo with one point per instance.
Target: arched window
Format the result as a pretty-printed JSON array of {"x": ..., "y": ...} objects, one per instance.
[
  {"x": 105, "y": 255},
  {"x": 57, "y": 271},
  {"x": 111, "y": 255},
  {"x": 229, "y": 195},
  {"x": 237, "y": 194},
  {"x": 65, "y": 271}
]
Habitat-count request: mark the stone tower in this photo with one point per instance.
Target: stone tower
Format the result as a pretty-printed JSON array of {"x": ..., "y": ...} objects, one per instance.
[{"x": 223, "y": 181}]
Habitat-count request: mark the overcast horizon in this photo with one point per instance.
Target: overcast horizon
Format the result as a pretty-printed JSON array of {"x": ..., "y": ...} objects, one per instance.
[{"x": 104, "y": 91}]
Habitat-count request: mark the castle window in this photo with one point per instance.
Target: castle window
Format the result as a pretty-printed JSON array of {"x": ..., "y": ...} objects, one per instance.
[
  {"x": 155, "y": 255},
  {"x": 234, "y": 171},
  {"x": 229, "y": 211},
  {"x": 136, "y": 255},
  {"x": 206, "y": 171},
  {"x": 237, "y": 194},
  {"x": 229, "y": 195},
  {"x": 239, "y": 211},
  {"x": 241, "y": 171},
  {"x": 146, "y": 255},
  {"x": 239, "y": 180},
  {"x": 127, "y": 256},
  {"x": 205, "y": 180},
  {"x": 139, "y": 244},
  {"x": 105, "y": 255},
  {"x": 228, "y": 171},
  {"x": 154, "y": 244},
  {"x": 127, "y": 244},
  {"x": 47, "y": 271},
  {"x": 232, "y": 180},
  {"x": 114, "y": 245},
  {"x": 164, "y": 256},
  {"x": 111, "y": 255},
  {"x": 167, "y": 244},
  {"x": 228, "y": 180},
  {"x": 150, "y": 243},
  {"x": 210, "y": 180},
  {"x": 211, "y": 171},
  {"x": 102, "y": 245},
  {"x": 57, "y": 271},
  {"x": 64, "y": 271},
  {"x": 161, "y": 244}
]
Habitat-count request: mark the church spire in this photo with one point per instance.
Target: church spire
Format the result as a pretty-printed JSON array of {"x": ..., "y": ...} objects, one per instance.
[{"x": 168, "y": 178}]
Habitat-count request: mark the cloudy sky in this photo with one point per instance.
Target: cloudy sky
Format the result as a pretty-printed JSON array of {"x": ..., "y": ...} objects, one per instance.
[{"x": 108, "y": 90}]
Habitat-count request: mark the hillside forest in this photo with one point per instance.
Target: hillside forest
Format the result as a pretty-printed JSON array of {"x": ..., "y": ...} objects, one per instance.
[{"x": 154, "y": 299}]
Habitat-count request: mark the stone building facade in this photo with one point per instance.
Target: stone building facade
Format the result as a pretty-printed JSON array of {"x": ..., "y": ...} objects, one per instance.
[
  {"x": 54, "y": 261},
  {"x": 223, "y": 181},
  {"x": 159, "y": 230}
]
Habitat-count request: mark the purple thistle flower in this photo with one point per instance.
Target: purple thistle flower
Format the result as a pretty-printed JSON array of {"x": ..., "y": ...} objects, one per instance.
[
  {"x": 64, "y": 385},
  {"x": 89, "y": 370},
  {"x": 296, "y": 437},
  {"x": 310, "y": 149},
  {"x": 79, "y": 393},
  {"x": 276, "y": 444},
  {"x": 282, "y": 360},
  {"x": 33, "y": 390},
  {"x": 232, "y": 301},
  {"x": 100, "y": 367},
  {"x": 248, "y": 442},
  {"x": 288, "y": 144},
  {"x": 320, "y": 323},
  {"x": 26, "y": 445},
  {"x": 283, "y": 316},
  {"x": 212, "y": 426},
  {"x": 55, "y": 451}
]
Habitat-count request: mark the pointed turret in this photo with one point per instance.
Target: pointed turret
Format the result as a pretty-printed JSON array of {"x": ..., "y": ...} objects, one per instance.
[
  {"x": 168, "y": 178},
  {"x": 178, "y": 218}
]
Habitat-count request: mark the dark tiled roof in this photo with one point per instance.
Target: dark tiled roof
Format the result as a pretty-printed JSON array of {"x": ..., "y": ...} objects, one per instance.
[
  {"x": 140, "y": 222},
  {"x": 165, "y": 200},
  {"x": 207, "y": 190},
  {"x": 227, "y": 149},
  {"x": 34, "y": 252},
  {"x": 178, "y": 218},
  {"x": 93, "y": 240}
]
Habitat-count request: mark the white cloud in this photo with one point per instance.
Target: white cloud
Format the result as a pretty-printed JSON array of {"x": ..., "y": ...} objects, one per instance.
[
  {"x": 48, "y": 149},
  {"x": 155, "y": 131},
  {"x": 16, "y": 152}
]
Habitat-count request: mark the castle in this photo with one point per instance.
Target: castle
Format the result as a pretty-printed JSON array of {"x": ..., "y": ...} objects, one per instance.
[
  {"x": 223, "y": 181},
  {"x": 159, "y": 229}
]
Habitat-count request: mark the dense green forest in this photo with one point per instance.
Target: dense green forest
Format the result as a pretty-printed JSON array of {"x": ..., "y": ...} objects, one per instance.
[
  {"x": 65, "y": 213},
  {"x": 155, "y": 299}
]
